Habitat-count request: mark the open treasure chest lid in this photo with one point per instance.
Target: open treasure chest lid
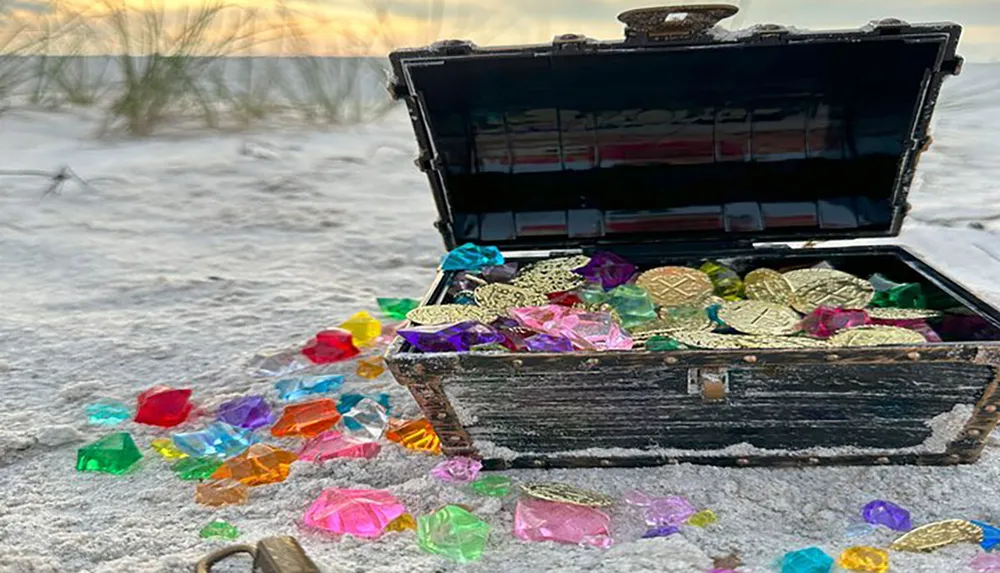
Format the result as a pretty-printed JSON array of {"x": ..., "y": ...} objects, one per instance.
[{"x": 682, "y": 132}]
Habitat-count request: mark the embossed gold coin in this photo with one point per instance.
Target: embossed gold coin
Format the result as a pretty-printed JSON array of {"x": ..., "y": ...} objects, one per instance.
[
  {"x": 545, "y": 281},
  {"x": 801, "y": 277},
  {"x": 875, "y": 335},
  {"x": 565, "y": 493},
  {"x": 779, "y": 342},
  {"x": 902, "y": 313},
  {"x": 844, "y": 292},
  {"x": 446, "y": 313},
  {"x": 559, "y": 263},
  {"x": 499, "y": 297},
  {"x": 675, "y": 286},
  {"x": 689, "y": 319},
  {"x": 768, "y": 286},
  {"x": 706, "y": 340},
  {"x": 759, "y": 317},
  {"x": 937, "y": 535}
]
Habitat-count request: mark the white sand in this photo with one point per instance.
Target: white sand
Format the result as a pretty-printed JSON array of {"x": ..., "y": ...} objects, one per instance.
[{"x": 189, "y": 256}]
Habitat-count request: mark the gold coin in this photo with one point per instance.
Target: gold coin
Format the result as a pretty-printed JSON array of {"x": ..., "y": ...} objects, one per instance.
[
  {"x": 546, "y": 281},
  {"x": 560, "y": 263},
  {"x": 706, "y": 340},
  {"x": 565, "y": 493},
  {"x": 759, "y": 317},
  {"x": 675, "y": 286},
  {"x": 902, "y": 313},
  {"x": 668, "y": 323},
  {"x": 447, "y": 313},
  {"x": 875, "y": 335},
  {"x": 780, "y": 342},
  {"x": 803, "y": 277},
  {"x": 937, "y": 535},
  {"x": 768, "y": 286},
  {"x": 840, "y": 292},
  {"x": 499, "y": 297}
]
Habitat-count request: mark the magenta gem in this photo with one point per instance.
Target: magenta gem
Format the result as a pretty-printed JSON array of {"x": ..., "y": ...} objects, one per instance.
[
  {"x": 548, "y": 343},
  {"x": 671, "y": 510},
  {"x": 608, "y": 269},
  {"x": 250, "y": 412},
  {"x": 332, "y": 444},
  {"x": 886, "y": 513},
  {"x": 457, "y": 470},
  {"x": 587, "y": 330},
  {"x": 457, "y": 337},
  {"x": 824, "y": 322},
  {"x": 357, "y": 512},
  {"x": 986, "y": 563},
  {"x": 540, "y": 520}
]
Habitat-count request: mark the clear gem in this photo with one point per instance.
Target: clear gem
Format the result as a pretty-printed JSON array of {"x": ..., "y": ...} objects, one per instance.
[
  {"x": 457, "y": 470},
  {"x": 358, "y": 512},
  {"x": 456, "y": 337},
  {"x": 293, "y": 389},
  {"x": 108, "y": 413},
  {"x": 540, "y": 520},
  {"x": 278, "y": 364},
  {"x": 367, "y": 420},
  {"x": 348, "y": 401},
  {"x": 333, "y": 444},
  {"x": 470, "y": 257},
  {"x": 217, "y": 440},
  {"x": 453, "y": 532}
]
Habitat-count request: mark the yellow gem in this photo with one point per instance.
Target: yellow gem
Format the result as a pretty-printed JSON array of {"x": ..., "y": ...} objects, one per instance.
[
  {"x": 371, "y": 368},
  {"x": 402, "y": 523},
  {"x": 867, "y": 559},
  {"x": 166, "y": 448},
  {"x": 703, "y": 518},
  {"x": 417, "y": 435},
  {"x": 363, "y": 328}
]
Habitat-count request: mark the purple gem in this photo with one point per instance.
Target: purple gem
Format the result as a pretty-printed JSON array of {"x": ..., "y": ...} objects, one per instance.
[
  {"x": 888, "y": 514},
  {"x": 457, "y": 337},
  {"x": 661, "y": 532},
  {"x": 504, "y": 322},
  {"x": 250, "y": 412},
  {"x": 670, "y": 510},
  {"x": 548, "y": 343},
  {"x": 501, "y": 273},
  {"x": 608, "y": 269},
  {"x": 457, "y": 470},
  {"x": 962, "y": 327},
  {"x": 464, "y": 282}
]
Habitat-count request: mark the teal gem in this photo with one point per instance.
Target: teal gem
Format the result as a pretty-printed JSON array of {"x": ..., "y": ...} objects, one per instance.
[
  {"x": 991, "y": 535},
  {"x": 713, "y": 313},
  {"x": 632, "y": 304},
  {"x": 470, "y": 257},
  {"x": 465, "y": 299},
  {"x": 809, "y": 560},
  {"x": 663, "y": 344},
  {"x": 454, "y": 533},
  {"x": 108, "y": 413}
]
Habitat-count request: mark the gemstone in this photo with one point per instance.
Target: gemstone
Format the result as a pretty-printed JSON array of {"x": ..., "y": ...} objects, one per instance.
[
  {"x": 638, "y": 497},
  {"x": 492, "y": 486},
  {"x": 416, "y": 435},
  {"x": 163, "y": 406},
  {"x": 886, "y": 513},
  {"x": 500, "y": 273},
  {"x": 329, "y": 346},
  {"x": 108, "y": 413},
  {"x": 367, "y": 420},
  {"x": 664, "y": 531},
  {"x": 396, "y": 308},
  {"x": 825, "y": 321},
  {"x": 712, "y": 311},
  {"x": 725, "y": 282},
  {"x": 592, "y": 294},
  {"x": 113, "y": 454},
  {"x": 292, "y": 389},
  {"x": 503, "y": 322},
  {"x": 455, "y": 337},
  {"x": 991, "y": 535},
  {"x": 457, "y": 470},
  {"x": 860, "y": 529},
  {"x": 306, "y": 419},
  {"x": 402, "y": 523},
  {"x": 548, "y": 343},
  {"x": 880, "y": 282},
  {"x": 967, "y": 328},
  {"x": 217, "y": 493},
  {"x": 191, "y": 468},
  {"x": 219, "y": 528},
  {"x": 166, "y": 448},
  {"x": 358, "y": 512},
  {"x": 453, "y": 532},
  {"x": 663, "y": 344},
  {"x": 470, "y": 257},
  {"x": 566, "y": 298},
  {"x": 906, "y": 295},
  {"x": 608, "y": 269},
  {"x": 985, "y": 563},
  {"x": 703, "y": 518},
  {"x": 867, "y": 559},
  {"x": 333, "y": 444},
  {"x": 463, "y": 283},
  {"x": 364, "y": 328},
  {"x": 278, "y": 364},
  {"x": 633, "y": 305},
  {"x": 809, "y": 560},
  {"x": 540, "y": 520},
  {"x": 250, "y": 412},
  {"x": 587, "y": 330},
  {"x": 371, "y": 367},
  {"x": 670, "y": 510},
  {"x": 465, "y": 298},
  {"x": 260, "y": 464},
  {"x": 217, "y": 440},
  {"x": 348, "y": 401}
]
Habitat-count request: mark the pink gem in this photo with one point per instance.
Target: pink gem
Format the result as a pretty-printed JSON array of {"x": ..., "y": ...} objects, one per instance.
[
  {"x": 357, "y": 512},
  {"x": 332, "y": 444},
  {"x": 670, "y": 510},
  {"x": 825, "y": 321},
  {"x": 587, "y": 330},
  {"x": 457, "y": 470},
  {"x": 986, "y": 563},
  {"x": 540, "y": 520},
  {"x": 638, "y": 497}
]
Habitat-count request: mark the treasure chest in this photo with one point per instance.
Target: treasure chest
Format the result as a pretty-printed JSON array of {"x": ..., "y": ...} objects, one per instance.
[{"x": 685, "y": 143}]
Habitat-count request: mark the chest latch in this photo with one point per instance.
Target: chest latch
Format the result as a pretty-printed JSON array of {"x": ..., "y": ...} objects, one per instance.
[
  {"x": 272, "y": 555},
  {"x": 712, "y": 384}
]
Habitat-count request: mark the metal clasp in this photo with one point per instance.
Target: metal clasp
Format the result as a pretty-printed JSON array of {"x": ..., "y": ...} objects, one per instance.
[
  {"x": 272, "y": 555},
  {"x": 711, "y": 383}
]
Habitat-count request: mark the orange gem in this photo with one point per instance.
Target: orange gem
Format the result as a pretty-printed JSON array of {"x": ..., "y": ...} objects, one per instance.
[
  {"x": 415, "y": 435},
  {"x": 402, "y": 523},
  {"x": 221, "y": 492},
  {"x": 259, "y": 465},
  {"x": 371, "y": 368},
  {"x": 307, "y": 419}
]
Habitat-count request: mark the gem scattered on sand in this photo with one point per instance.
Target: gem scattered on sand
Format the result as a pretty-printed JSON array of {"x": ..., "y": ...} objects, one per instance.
[
  {"x": 371, "y": 367},
  {"x": 361, "y": 513},
  {"x": 250, "y": 412},
  {"x": 333, "y": 444},
  {"x": 492, "y": 486},
  {"x": 670, "y": 510},
  {"x": 191, "y": 468},
  {"x": 824, "y": 321},
  {"x": 294, "y": 389},
  {"x": 991, "y": 535},
  {"x": 453, "y": 532},
  {"x": 470, "y": 257},
  {"x": 108, "y": 413},
  {"x": 306, "y": 419},
  {"x": 540, "y": 520},
  {"x": 278, "y": 364},
  {"x": 860, "y": 529},
  {"x": 638, "y": 497},
  {"x": 260, "y": 464},
  {"x": 866, "y": 559},
  {"x": 663, "y": 344},
  {"x": 402, "y": 523},
  {"x": 886, "y": 513},
  {"x": 665, "y": 531},
  {"x": 166, "y": 448},
  {"x": 725, "y": 282},
  {"x": 809, "y": 560},
  {"x": 217, "y": 493},
  {"x": 113, "y": 454},
  {"x": 457, "y": 470},
  {"x": 587, "y": 330},
  {"x": 367, "y": 420},
  {"x": 417, "y": 435},
  {"x": 703, "y": 518},
  {"x": 163, "y": 406},
  {"x": 633, "y": 305},
  {"x": 548, "y": 343},
  {"x": 608, "y": 269},
  {"x": 396, "y": 308},
  {"x": 329, "y": 346},
  {"x": 985, "y": 563},
  {"x": 219, "y": 528},
  {"x": 348, "y": 401},
  {"x": 455, "y": 337},
  {"x": 364, "y": 328},
  {"x": 217, "y": 440}
]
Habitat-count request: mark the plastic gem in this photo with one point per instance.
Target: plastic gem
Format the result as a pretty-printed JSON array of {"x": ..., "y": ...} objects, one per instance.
[
  {"x": 332, "y": 444},
  {"x": 587, "y": 330},
  {"x": 163, "y": 406},
  {"x": 306, "y": 419},
  {"x": 470, "y": 257},
  {"x": 664, "y": 531},
  {"x": 632, "y": 304},
  {"x": 217, "y": 440},
  {"x": 367, "y": 420},
  {"x": 453, "y": 532},
  {"x": 329, "y": 346},
  {"x": 292, "y": 389},
  {"x": 363, "y": 328},
  {"x": 608, "y": 269},
  {"x": 985, "y": 563},
  {"x": 867, "y": 559},
  {"x": 492, "y": 486},
  {"x": 703, "y": 518},
  {"x": 457, "y": 470},
  {"x": 548, "y": 343},
  {"x": 824, "y": 322},
  {"x": 260, "y": 464},
  {"x": 456, "y": 337},
  {"x": 906, "y": 295},
  {"x": 114, "y": 454},
  {"x": 540, "y": 520},
  {"x": 663, "y": 344},
  {"x": 108, "y": 413},
  {"x": 725, "y": 281},
  {"x": 250, "y": 412},
  {"x": 809, "y": 560},
  {"x": 195, "y": 468},
  {"x": 396, "y": 308},
  {"x": 991, "y": 535},
  {"x": 219, "y": 528},
  {"x": 166, "y": 448},
  {"x": 217, "y": 493},
  {"x": 278, "y": 364},
  {"x": 359, "y": 512},
  {"x": 402, "y": 523},
  {"x": 885, "y": 513},
  {"x": 567, "y": 298},
  {"x": 417, "y": 435},
  {"x": 670, "y": 510},
  {"x": 371, "y": 367},
  {"x": 500, "y": 273},
  {"x": 348, "y": 401}
]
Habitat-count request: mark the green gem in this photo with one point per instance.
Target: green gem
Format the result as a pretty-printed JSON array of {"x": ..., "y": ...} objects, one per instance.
[
  {"x": 633, "y": 305},
  {"x": 492, "y": 486},
  {"x": 703, "y": 518},
  {"x": 454, "y": 533},
  {"x": 880, "y": 282},
  {"x": 113, "y": 454},
  {"x": 592, "y": 293},
  {"x": 195, "y": 468},
  {"x": 663, "y": 344},
  {"x": 397, "y": 308},
  {"x": 727, "y": 283},
  {"x": 219, "y": 528},
  {"x": 492, "y": 347},
  {"x": 907, "y": 295}
]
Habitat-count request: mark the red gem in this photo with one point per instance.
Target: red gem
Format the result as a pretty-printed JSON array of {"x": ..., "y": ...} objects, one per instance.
[
  {"x": 163, "y": 406},
  {"x": 565, "y": 298},
  {"x": 330, "y": 346},
  {"x": 825, "y": 321}
]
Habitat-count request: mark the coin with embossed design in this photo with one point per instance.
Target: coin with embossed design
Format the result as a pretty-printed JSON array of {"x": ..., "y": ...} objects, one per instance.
[
  {"x": 759, "y": 317},
  {"x": 559, "y": 263},
  {"x": 841, "y": 292},
  {"x": 876, "y": 335},
  {"x": 706, "y": 340},
  {"x": 675, "y": 286},
  {"x": 902, "y": 313},
  {"x": 545, "y": 281},
  {"x": 565, "y": 493},
  {"x": 446, "y": 313},
  {"x": 696, "y": 321},
  {"x": 500, "y": 297},
  {"x": 779, "y": 342},
  {"x": 768, "y": 286},
  {"x": 937, "y": 535}
]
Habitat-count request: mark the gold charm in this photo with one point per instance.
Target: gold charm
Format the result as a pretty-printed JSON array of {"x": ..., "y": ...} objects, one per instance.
[
  {"x": 565, "y": 493},
  {"x": 545, "y": 281},
  {"x": 902, "y": 313},
  {"x": 558, "y": 264},
  {"x": 759, "y": 317},
  {"x": 448, "y": 313},
  {"x": 843, "y": 292},
  {"x": 707, "y": 340},
  {"x": 675, "y": 286},
  {"x": 768, "y": 286},
  {"x": 499, "y": 297},
  {"x": 875, "y": 335},
  {"x": 937, "y": 535}
]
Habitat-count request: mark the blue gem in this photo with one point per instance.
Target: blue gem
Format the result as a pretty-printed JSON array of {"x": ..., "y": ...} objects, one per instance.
[
  {"x": 292, "y": 389},
  {"x": 217, "y": 440},
  {"x": 108, "y": 413},
  {"x": 464, "y": 299},
  {"x": 661, "y": 532},
  {"x": 991, "y": 535},
  {"x": 348, "y": 401},
  {"x": 470, "y": 257},
  {"x": 808, "y": 560}
]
